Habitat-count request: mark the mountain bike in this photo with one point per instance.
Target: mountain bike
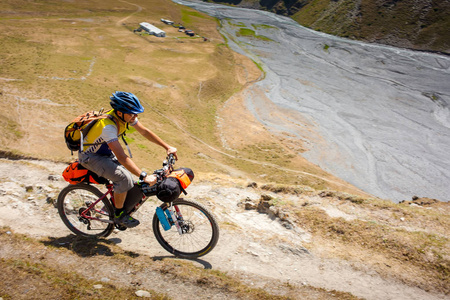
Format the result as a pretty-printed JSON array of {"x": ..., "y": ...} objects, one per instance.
[{"x": 183, "y": 227}]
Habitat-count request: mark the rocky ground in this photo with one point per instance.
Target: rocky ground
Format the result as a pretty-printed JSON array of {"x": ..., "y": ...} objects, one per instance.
[{"x": 265, "y": 250}]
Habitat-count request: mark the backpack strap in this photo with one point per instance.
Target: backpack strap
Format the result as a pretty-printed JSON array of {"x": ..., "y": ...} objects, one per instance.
[
  {"x": 84, "y": 132},
  {"x": 114, "y": 119},
  {"x": 116, "y": 122},
  {"x": 88, "y": 127},
  {"x": 125, "y": 142}
]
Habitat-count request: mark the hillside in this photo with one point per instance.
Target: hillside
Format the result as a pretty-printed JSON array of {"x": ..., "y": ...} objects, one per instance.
[
  {"x": 277, "y": 242},
  {"x": 59, "y": 62},
  {"x": 421, "y": 25},
  {"x": 289, "y": 230}
]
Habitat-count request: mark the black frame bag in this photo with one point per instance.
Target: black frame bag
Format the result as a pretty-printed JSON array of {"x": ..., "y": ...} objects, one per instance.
[{"x": 171, "y": 187}]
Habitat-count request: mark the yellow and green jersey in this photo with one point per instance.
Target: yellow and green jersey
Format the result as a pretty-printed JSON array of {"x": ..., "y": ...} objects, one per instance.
[{"x": 104, "y": 131}]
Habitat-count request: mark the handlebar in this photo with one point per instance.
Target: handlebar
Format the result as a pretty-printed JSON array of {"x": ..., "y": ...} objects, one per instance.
[
  {"x": 169, "y": 162},
  {"x": 161, "y": 174},
  {"x": 167, "y": 168}
]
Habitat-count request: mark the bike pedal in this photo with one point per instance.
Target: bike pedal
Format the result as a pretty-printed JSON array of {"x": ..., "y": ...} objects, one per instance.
[{"x": 121, "y": 227}]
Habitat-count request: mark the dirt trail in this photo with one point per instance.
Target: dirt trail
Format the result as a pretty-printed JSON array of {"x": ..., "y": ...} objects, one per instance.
[
  {"x": 138, "y": 9},
  {"x": 251, "y": 245}
]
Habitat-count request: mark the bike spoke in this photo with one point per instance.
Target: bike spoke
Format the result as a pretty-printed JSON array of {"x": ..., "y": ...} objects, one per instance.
[
  {"x": 200, "y": 231},
  {"x": 82, "y": 212}
]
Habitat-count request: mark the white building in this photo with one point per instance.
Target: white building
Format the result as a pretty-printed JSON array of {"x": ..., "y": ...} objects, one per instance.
[
  {"x": 152, "y": 29},
  {"x": 167, "y": 22}
]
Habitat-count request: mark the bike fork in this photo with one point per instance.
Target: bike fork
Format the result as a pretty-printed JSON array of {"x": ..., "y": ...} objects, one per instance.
[{"x": 174, "y": 218}]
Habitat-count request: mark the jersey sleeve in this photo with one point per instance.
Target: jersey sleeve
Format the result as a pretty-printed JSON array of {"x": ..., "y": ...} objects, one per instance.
[{"x": 109, "y": 133}]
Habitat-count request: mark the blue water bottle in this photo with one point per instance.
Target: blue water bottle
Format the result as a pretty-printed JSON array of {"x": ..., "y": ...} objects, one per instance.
[{"x": 162, "y": 218}]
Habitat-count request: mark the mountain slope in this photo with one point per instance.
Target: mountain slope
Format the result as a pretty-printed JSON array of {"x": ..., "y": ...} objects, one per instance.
[
  {"x": 61, "y": 61},
  {"x": 421, "y": 25}
]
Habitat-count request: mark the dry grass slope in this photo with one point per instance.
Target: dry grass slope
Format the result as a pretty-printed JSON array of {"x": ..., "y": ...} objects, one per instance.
[
  {"x": 407, "y": 241},
  {"x": 61, "y": 61},
  {"x": 59, "y": 269}
]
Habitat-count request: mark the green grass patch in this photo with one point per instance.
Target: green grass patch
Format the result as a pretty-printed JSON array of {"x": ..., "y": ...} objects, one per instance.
[
  {"x": 424, "y": 26},
  {"x": 189, "y": 16},
  {"x": 263, "y": 26},
  {"x": 246, "y": 32},
  {"x": 251, "y": 33},
  {"x": 238, "y": 24}
]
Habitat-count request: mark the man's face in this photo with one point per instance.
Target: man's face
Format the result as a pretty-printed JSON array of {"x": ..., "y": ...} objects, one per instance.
[{"x": 129, "y": 118}]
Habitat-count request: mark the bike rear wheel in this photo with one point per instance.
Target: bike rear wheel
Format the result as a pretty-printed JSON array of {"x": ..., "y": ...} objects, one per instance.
[
  {"x": 200, "y": 230},
  {"x": 74, "y": 200}
]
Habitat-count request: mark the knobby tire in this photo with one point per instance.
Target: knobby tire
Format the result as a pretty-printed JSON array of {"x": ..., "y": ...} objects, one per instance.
[{"x": 202, "y": 234}]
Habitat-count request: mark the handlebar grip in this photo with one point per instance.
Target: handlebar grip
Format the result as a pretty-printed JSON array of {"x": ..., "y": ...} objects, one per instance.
[
  {"x": 148, "y": 190},
  {"x": 171, "y": 159}
]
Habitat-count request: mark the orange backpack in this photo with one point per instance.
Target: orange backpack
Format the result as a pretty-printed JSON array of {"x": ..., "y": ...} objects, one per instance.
[{"x": 75, "y": 173}]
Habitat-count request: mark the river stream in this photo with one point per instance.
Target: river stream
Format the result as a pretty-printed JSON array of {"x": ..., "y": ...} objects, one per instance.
[{"x": 373, "y": 115}]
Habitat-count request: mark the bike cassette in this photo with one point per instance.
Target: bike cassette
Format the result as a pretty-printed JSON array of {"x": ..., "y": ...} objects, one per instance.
[{"x": 80, "y": 216}]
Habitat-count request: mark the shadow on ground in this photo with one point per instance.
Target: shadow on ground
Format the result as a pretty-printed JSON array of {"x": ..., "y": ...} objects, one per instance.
[
  {"x": 85, "y": 247},
  {"x": 204, "y": 263}
]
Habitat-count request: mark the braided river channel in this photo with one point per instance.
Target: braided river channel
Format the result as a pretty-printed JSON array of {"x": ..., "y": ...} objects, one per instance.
[{"x": 374, "y": 115}]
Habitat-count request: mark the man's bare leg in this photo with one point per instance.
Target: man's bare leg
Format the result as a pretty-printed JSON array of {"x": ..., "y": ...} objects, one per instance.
[{"x": 119, "y": 198}]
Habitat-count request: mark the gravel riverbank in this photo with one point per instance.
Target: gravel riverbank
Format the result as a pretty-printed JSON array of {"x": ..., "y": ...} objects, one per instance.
[{"x": 375, "y": 116}]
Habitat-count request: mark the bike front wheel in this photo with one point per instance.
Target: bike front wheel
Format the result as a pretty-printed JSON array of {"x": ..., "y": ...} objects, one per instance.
[
  {"x": 199, "y": 231},
  {"x": 76, "y": 209}
]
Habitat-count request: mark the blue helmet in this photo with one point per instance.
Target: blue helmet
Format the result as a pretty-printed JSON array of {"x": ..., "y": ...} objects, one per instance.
[{"x": 126, "y": 103}]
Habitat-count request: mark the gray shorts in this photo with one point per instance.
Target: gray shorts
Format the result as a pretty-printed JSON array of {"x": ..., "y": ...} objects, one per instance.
[{"x": 108, "y": 167}]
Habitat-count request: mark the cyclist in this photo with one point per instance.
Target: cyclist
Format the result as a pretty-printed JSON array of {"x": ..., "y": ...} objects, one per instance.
[{"x": 103, "y": 154}]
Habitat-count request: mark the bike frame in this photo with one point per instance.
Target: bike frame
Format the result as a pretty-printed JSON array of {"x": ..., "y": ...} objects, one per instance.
[
  {"x": 89, "y": 211},
  {"x": 110, "y": 192}
]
